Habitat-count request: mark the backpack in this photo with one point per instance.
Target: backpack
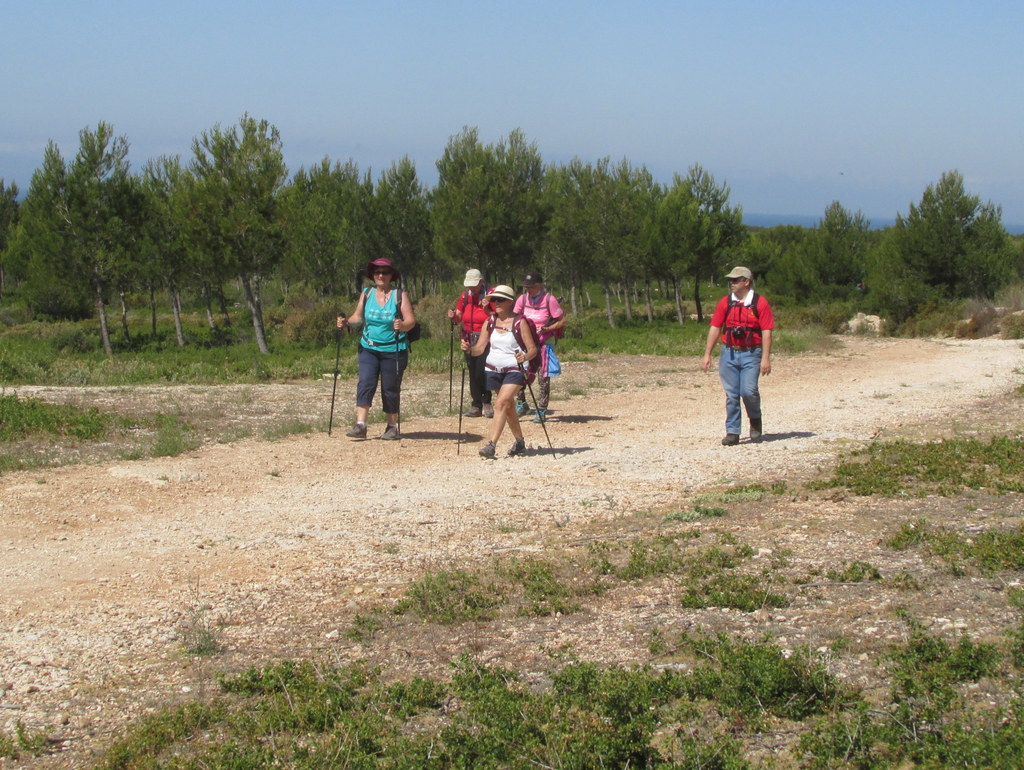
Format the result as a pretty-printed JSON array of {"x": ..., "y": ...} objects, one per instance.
[
  {"x": 560, "y": 331},
  {"x": 739, "y": 332},
  {"x": 533, "y": 365}
]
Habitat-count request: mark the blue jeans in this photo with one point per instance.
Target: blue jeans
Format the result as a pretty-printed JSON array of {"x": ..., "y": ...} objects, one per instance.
[
  {"x": 388, "y": 368},
  {"x": 739, "y": 371}
]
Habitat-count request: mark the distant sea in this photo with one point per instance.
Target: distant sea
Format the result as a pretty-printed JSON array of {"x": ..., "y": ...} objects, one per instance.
[{"x": 772, "y": 220}]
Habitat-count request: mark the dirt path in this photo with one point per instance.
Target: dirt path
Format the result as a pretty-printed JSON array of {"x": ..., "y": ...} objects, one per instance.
[{"x": 281, "y": 542}]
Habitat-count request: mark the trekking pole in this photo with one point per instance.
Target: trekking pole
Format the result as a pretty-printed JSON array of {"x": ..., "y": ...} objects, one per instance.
[
  {"x": 334, "y": 389},
  {"x": 451, "y": 366},
  {"x": 398, "y": 382},
  {"x": 462, "y": 396},
  {"x": 543, "y": 422}
]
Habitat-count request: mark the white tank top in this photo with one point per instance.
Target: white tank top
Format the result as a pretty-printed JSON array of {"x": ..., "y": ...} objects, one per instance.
[{"x": 503, "y": 349}]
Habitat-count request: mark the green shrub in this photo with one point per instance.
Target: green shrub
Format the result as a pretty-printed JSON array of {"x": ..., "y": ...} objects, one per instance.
[
  {"x": 451, "y": 597},
  {"x": 756, "y": 678},
  {"x": 1011, "y": 327},
  {"x": 316, "y": 325}
]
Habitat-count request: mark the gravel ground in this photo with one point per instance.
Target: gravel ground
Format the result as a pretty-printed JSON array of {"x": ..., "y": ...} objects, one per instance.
[{"x": 280, "y": 543}]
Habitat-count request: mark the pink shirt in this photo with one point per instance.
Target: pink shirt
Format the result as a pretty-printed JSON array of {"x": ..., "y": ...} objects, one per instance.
[{"x": 542, "y": 310}]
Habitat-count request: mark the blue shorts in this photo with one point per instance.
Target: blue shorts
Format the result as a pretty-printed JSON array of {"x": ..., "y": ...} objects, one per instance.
[{"x": 496, "y": 379}]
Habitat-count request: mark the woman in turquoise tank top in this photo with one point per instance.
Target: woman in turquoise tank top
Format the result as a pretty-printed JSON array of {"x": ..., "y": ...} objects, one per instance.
[{"x": 386, "y": 314}]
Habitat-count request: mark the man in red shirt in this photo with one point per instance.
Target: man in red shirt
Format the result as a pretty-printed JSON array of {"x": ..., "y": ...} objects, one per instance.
[
  {"x": 472, "y": 311},
  {"x": 744, "y": 322}
]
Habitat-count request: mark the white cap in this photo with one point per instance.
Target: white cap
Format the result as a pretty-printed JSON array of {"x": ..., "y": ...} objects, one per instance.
[{"x": 473, "y": 277}]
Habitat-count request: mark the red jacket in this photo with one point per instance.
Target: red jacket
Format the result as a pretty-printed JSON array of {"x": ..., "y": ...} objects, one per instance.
[{"x": 474, "y": 311}]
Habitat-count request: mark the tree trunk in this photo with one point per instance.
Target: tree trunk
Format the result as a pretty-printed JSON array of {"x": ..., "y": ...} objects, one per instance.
[
  {"x": 628, "y": 301},
  {"x": 572, "y": 298},
  {"x": 124, "y": 318},
  {"x": 608, "y": 304},
  {"x": 223, "y": 301},
  {"x": 590, "y": 301},
  {"x": 176, "y": 307},
  {"x": 152, "y": 311},
  {"x": 208, "y": 304},
  {"x": 101, "y": 308},
  {"x": 696, "y": 298},
  {"x": 252, "y": 298},
  {"x": 677, "y": 290},
  {"x": 648, "y": 300}
]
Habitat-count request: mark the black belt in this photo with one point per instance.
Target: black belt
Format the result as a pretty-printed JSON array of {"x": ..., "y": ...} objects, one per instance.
[
  {"x": 504, "y": 370},
  {"x": 743, "y": 348}
]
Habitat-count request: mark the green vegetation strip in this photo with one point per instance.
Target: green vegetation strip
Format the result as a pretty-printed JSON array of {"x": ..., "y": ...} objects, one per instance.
[
  {"x": 21, "y": 418},
  {"x": 718, "y": 698},
  {"x": 943, "y": 467},
  {"x": 989, "y": 551}
]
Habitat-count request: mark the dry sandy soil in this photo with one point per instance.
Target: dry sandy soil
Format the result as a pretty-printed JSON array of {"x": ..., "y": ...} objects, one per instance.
[{"x": 283, "y": 542}]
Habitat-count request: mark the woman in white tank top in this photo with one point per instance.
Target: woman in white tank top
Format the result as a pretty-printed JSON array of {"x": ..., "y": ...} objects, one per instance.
[{"x": 505, "y": 365}]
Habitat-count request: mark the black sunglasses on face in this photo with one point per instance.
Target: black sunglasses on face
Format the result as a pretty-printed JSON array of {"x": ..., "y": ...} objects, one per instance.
[
  {"x": 500, "y": 299},
  {"x": 382, "y": 272}
]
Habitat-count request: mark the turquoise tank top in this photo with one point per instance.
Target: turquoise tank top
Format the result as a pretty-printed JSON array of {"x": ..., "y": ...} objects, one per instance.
[{"x": 379, "y": 323}]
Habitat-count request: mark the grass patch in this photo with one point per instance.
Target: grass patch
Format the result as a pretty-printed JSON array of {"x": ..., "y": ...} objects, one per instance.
[
  {"x": 748, "y": 493},
  {"x": 454, "y": 596},
  {"x": 23, "y": 742},
  {"x": 944, "y": 468},
  {"x": 696, "y": 513},
  {"x": 854, "y": 572},
  {"x": 22, "y": 418},
  {"x": 989, "y": 551}
]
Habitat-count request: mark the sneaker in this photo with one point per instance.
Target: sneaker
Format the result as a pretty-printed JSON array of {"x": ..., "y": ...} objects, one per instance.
[
  {"x": 391, "y": 434},
  {"x": 357, "y": 431},
  {"x": 522, "y": 409},
  {"x": 518, "y": 448},
  {"x": 731, "y": 439},
  {"x": 541, "y": 415},
  {"x": 474, "y": 412},
  {"x": 488, "y": 410},
  {"x": 755, "y": 429},
  {"x": 487, "y": 450}
]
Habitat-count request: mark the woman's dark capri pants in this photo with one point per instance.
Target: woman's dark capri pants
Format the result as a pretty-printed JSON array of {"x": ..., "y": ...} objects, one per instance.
[{"x": 388, "y": 367}]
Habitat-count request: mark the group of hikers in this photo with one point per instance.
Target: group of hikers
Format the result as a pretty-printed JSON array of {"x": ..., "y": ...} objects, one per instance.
[{"x": 508, "y": 340}]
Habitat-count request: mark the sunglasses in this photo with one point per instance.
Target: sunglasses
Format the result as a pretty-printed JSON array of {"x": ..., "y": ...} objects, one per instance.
[
  {"x": 382, "y": 271},
  {"x": 736, "y": 280},
  {"x": 500, "y": 299}
]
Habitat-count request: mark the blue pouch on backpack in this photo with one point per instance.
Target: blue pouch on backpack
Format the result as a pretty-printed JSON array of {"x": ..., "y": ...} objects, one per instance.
[{"x": 554, "y": 365}]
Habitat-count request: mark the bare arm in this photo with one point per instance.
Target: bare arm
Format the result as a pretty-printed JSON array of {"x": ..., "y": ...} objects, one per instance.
[{"x": 408, "y": 319}]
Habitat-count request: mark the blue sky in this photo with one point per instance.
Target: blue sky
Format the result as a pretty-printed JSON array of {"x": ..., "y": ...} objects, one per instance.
[{"x": 793, "y": 103}]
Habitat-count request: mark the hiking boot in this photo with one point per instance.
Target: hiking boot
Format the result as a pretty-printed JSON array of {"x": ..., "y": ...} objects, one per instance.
[
  {"x": 522, "y": 409},
  {"x": 518, "y": 448},
  {"x": 488, "y": 410},
  {"x": 755, "y": 429},
  {"x": 357, "y": 431},
  {"x": 391, "y": 434},
  {"x": 487, "y": 450},
  {"x": 541, "y": 415},
  {"x": 731, "y": 439},
  {"x": 474, "y": 412}
]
